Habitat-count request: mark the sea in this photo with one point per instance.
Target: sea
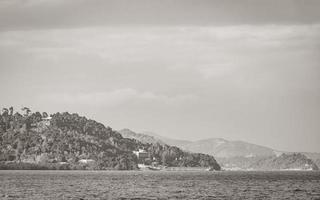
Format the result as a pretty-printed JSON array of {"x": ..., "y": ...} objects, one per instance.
[{"x": 160, "y": 185}]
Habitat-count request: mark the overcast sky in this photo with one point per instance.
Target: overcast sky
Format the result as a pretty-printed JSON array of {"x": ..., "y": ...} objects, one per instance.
[{"x": 240, "y": 70}]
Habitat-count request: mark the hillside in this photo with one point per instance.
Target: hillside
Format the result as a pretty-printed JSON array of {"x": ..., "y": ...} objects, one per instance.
[
  {"x": 294, "y": 161},
  {"x": 169, "y": 141},
  {"x": 285, "y": 161},
  {"x": 127, "y": 133},
  {"x": 238, "y": 155},
  {"x": 225, "y": 148},
  {"x": 70, "y": 141}
]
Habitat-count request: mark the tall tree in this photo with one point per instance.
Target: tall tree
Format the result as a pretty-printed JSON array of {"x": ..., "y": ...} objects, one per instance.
[
  {"x": 26, "y": 111},
  {"x": 5, "y": 118},
  {"x": 44, "y": 115},
  {"x": 11, "y": 111},
  {"x": 5, "y": 111}
]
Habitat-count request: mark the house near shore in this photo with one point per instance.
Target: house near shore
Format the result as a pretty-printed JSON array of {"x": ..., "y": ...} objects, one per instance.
[
  {"x": 86, "y": 161},
  {"x": 142, "y": 155},
  {"x": 46, "y": 120}
]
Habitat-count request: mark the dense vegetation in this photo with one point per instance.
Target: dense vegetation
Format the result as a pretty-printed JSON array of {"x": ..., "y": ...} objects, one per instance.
[
  {"x": 295, "y": 161},
  {"x": 170, "y": 155},
  {"x": 28, "y": 142},
  {"x": 288, "y": 161},
  {"x": 236, "y": 155}
]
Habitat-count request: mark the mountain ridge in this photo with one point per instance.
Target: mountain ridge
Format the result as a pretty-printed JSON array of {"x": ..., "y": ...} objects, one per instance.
[{"x": 195, "y": 146}]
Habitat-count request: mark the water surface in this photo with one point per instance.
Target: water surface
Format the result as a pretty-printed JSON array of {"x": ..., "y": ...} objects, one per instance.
[{"x": 158, "y": 185}]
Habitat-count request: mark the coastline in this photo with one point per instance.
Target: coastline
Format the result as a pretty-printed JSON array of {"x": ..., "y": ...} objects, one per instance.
[{"x": 68, "y": 167}]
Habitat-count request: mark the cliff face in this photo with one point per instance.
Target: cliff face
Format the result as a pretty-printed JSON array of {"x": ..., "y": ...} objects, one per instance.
[{"x": 69, "y": 141}]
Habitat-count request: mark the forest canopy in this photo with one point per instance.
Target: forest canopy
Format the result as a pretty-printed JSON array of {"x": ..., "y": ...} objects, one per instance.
[{"x": 69, "y": 141}]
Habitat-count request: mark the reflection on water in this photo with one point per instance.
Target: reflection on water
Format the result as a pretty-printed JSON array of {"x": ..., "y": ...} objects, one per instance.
[{"x": 158, "y": 185}]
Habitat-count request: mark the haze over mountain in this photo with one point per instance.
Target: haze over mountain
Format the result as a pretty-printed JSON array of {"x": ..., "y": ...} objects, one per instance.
[{"x": 219, "y": 147}]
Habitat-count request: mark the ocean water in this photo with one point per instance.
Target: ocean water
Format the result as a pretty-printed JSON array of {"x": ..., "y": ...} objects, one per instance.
[{"x": 158, "y": 185}]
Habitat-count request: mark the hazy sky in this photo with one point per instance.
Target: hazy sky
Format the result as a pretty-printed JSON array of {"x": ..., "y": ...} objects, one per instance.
[{"x": 241, "y": 70}]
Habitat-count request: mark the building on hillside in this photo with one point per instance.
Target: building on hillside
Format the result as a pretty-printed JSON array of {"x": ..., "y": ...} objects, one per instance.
[
  {"x": 46, "y": 120},
  {"x": 142, "y": 155},
  {"x": 86, "y": 161},
  {"x": 44, "y": 123}
]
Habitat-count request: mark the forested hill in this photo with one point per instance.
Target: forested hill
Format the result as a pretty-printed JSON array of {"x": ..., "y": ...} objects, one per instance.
[{"x": 70, "y": 141}]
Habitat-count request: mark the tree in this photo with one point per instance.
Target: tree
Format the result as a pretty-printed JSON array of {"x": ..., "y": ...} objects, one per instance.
[
  {"x": 165, "y": 158},
  {"x": 37, "y": 117},
  {"x": 5, "y": 118},
  {"x": 44, "y": 115},
  {"x": 26, "y": 111},
  {"x": 5, "y": 111},
  {"x": 11, "y": 111}
]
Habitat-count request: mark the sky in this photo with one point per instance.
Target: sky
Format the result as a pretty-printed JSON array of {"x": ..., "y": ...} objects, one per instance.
[{"x": 187, "y": 69}]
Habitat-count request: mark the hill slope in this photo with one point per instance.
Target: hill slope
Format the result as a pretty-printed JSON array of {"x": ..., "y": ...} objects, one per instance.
[
  {"x": 218, "y": 147},
  {"x": 70, "y": 141},
  {"x": 294, "y": 161},
  {"x": 127, "y": 133}
]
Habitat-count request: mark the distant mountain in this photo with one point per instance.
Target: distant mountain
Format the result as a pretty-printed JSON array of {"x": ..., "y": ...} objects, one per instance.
[
  {"x": 169, "y": 141},
  {"x": 70, "y": 141},
  {"x": 285, "y": 161},
  {"x": 127, "y": 133},
  {"x": 219, "y": 147},
  {"x": 293, "y": 161},
  {"x": 237, "y": 155}
]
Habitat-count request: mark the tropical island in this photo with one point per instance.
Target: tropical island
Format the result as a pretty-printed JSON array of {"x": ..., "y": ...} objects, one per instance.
[{"x": 64, "y": 141}]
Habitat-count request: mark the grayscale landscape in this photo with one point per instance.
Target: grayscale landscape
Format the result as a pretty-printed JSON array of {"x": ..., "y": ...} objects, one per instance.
[{"x": 159, "y": 99}]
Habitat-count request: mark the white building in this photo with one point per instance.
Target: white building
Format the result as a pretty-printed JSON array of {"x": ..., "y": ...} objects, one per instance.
[
  {"x": 141, "y": 155},
  {"x": 86, "y": 161},
  {"x": 46, "y": 120}
]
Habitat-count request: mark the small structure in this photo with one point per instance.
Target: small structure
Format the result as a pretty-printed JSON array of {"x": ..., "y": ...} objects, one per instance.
[
  {"x": 142, "y": 155},
  {"x": 86, "y": 161},
  {"x": 46, "y": 120}
]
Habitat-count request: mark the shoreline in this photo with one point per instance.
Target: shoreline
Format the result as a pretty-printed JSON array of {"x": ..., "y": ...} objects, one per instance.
[{"x": 73, "y": 167}]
